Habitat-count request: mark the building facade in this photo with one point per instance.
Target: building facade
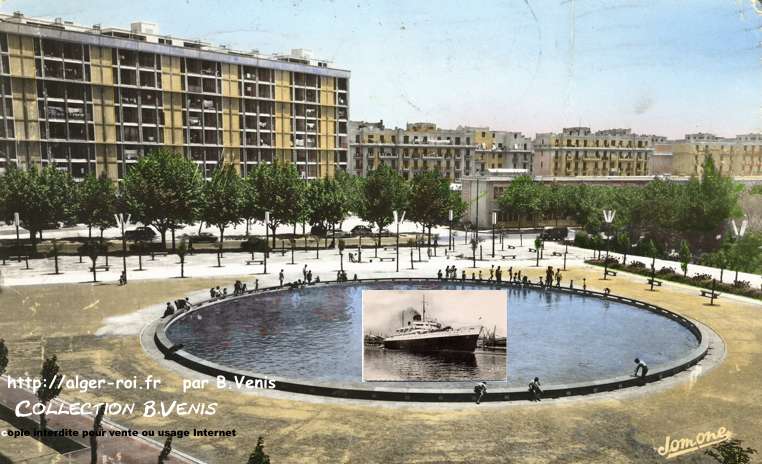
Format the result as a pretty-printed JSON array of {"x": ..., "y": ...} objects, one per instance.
[
  {"x": 422, "y": 146},
  {"x": 94, "y": 100},
  {"x": 577, "y": 151},
  {"x": 739, "y": 156}
]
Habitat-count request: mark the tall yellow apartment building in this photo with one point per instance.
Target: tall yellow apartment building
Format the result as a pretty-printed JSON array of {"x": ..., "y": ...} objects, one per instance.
[{"x": 94, "y": 100}]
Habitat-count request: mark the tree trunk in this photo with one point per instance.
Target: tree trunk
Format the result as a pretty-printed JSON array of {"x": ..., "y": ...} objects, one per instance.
[
  {"x": 273, "y": 228},
  {"x": 90, "y": 232},
  {"x": 173, "y": 239},
  {"x": 182, "y": 267},
  {"x": 163, "y": 232}
]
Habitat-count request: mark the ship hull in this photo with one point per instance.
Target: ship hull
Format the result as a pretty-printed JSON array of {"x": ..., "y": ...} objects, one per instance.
[{"x": 428, "y": 344}]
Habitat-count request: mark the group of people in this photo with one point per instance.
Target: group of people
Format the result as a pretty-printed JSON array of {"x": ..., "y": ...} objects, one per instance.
[
  {"x": 239, "y": 288},
  {"x": 179, "y": 305},
  {"x": 341, "y": 276},
  {"x": 535, "y": 390},
  {"x": 496, "y": 275}
]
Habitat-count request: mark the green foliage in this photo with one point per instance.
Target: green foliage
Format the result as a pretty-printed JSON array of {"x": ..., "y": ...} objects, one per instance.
[
  {"x": 731, "y": 452},
  {"x": 182, "y": 249},
  {"x": 40, "y": 197},
  {"x": 352, "y": 188},
  {"x": 523, "y": 196},
  {"x": 258, "y": 456},
  {"x": 328, "y": 202},
  {"x": 384, "y": 191},
  {"x": 685, "y": 257},
  {"x": 95, "y": 202},
  {"x": 664, "y": 211},
  {"x": 223, "y": 199},
  {"x": 650, "y": 249},
  {"x": 164, "y": 189},
  {"x": 430, "y": 199},
  {"x": 3, "y": 356},
  {"x": 279, "y": 190}
]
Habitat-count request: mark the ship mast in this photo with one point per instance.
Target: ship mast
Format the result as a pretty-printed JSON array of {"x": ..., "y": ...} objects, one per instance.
[{"x": 423, "y": 305}]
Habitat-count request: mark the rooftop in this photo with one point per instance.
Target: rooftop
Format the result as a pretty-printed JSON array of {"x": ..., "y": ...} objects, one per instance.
[{"x": 148, "y": 32}]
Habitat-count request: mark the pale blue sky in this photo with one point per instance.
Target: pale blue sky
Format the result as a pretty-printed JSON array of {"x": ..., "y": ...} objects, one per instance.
[{"x": 658, "y": 66}]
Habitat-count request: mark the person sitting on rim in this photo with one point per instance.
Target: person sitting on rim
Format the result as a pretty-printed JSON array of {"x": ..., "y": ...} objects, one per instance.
[
  {"x": 535, "y": 389},
  {"x": 640, "y": 366},
  {"x": 480, "y": 389}
]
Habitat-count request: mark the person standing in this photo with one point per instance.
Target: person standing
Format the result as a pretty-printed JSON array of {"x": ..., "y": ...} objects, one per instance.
[
  {"x": 280, "y": 277},
  {"x": 558, "y": 277},
  {"x": 304, "y": 272}
]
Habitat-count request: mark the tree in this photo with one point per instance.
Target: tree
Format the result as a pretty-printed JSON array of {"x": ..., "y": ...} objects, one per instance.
[
  {"x": 163, "y": 189},
  {"x": 280, "y": 190},
  {"x": 685, "y": 257},
  {"x": 537, "y": 246},
  {"x": 328, "y": 202},
  {"x": 744, "y": 254},
  {"x": 258, "y": 456},
  {"x": 623, "y": 243},
  {"x": 3, "y": 356},
  {"x": 95, "y": 203},
  {"x": 731, "y": 452},
  {"x": 181, "y": 251},
  {"x": 223, "y": 199},
  {"x": 166, "y": 451},
  {"x": 384, "y": 191},
  {"x": 50, "y": 387},
  {"x": 250, "y": 207},
  {"x": 40, "y": 197},
  {"x": 474, "y": 244},
  {"x": 431, "y": 199},
  {"x": 522, "y": 198}
]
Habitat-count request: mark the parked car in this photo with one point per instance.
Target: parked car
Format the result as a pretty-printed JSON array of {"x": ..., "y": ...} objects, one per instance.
[
  {"x": 145, "y": 234},
  {"x": 554, "y": 233},
  {"x": 362, "y": 230},
  {"x": 203, "y": 237}
]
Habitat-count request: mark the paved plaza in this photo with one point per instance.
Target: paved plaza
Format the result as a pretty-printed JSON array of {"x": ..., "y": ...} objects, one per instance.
[{"x": 95, "y": 328}]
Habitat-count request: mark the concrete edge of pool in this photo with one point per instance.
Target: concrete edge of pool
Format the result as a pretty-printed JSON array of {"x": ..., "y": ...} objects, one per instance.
[{"x": 175, "y": 353}]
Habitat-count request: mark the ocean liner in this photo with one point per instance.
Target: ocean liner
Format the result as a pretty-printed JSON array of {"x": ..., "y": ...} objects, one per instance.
[{"x": 423, "y": 335}]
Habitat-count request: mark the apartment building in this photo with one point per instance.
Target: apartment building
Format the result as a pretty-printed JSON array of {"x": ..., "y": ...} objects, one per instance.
[
  {"x": 739, "y": 156},
  {"x": 422, "y": 146},
  {"x": 501, "y": 150},
  {"x": 577, "y": 151},
  {"x": 94, "y": 100}
]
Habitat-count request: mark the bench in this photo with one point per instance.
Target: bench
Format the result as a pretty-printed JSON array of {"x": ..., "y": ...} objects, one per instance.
[
  {"x": 100, "y": 267},
  {"x": 710, "y": 294},
  {"x": 532, "y": 250},
  {"x": 558, "y": 253},
  {"x": 510, "y": 247},
  {"x": 609, "y": 272},
  {"x": 254, "y": 261},
  {"x": 508, "y": 256},
  {"x": 654, "y": 282},
  {"x": 158, "y": 253},
  {"x": 385, "y": 259}
]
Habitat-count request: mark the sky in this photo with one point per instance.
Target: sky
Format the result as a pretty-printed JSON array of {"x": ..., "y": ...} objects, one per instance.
[
  {"x": 666, "y": 67},
  {"x": 458, "y": 308}
]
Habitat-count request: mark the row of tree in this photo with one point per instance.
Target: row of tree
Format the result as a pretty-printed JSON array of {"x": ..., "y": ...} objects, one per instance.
[
  {"x": 667, "y": 212},
  {"x": 167, "y": 191}
]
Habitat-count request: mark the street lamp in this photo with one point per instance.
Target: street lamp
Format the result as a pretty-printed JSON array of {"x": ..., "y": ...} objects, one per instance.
[
  {"x": 450, "y": 239},
  {"x": 267, "y": 239},
  {"x": 494, "y": 222},
  {"x": 608, "y": 217},
  {"x": 121, "y": 220},
  {"x": 397, "y": 220},
  {"x": 739, "y": 233}
]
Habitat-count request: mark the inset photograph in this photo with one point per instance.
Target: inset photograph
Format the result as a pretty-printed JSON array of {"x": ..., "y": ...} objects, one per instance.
[{"x": 434, "y": 335}]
